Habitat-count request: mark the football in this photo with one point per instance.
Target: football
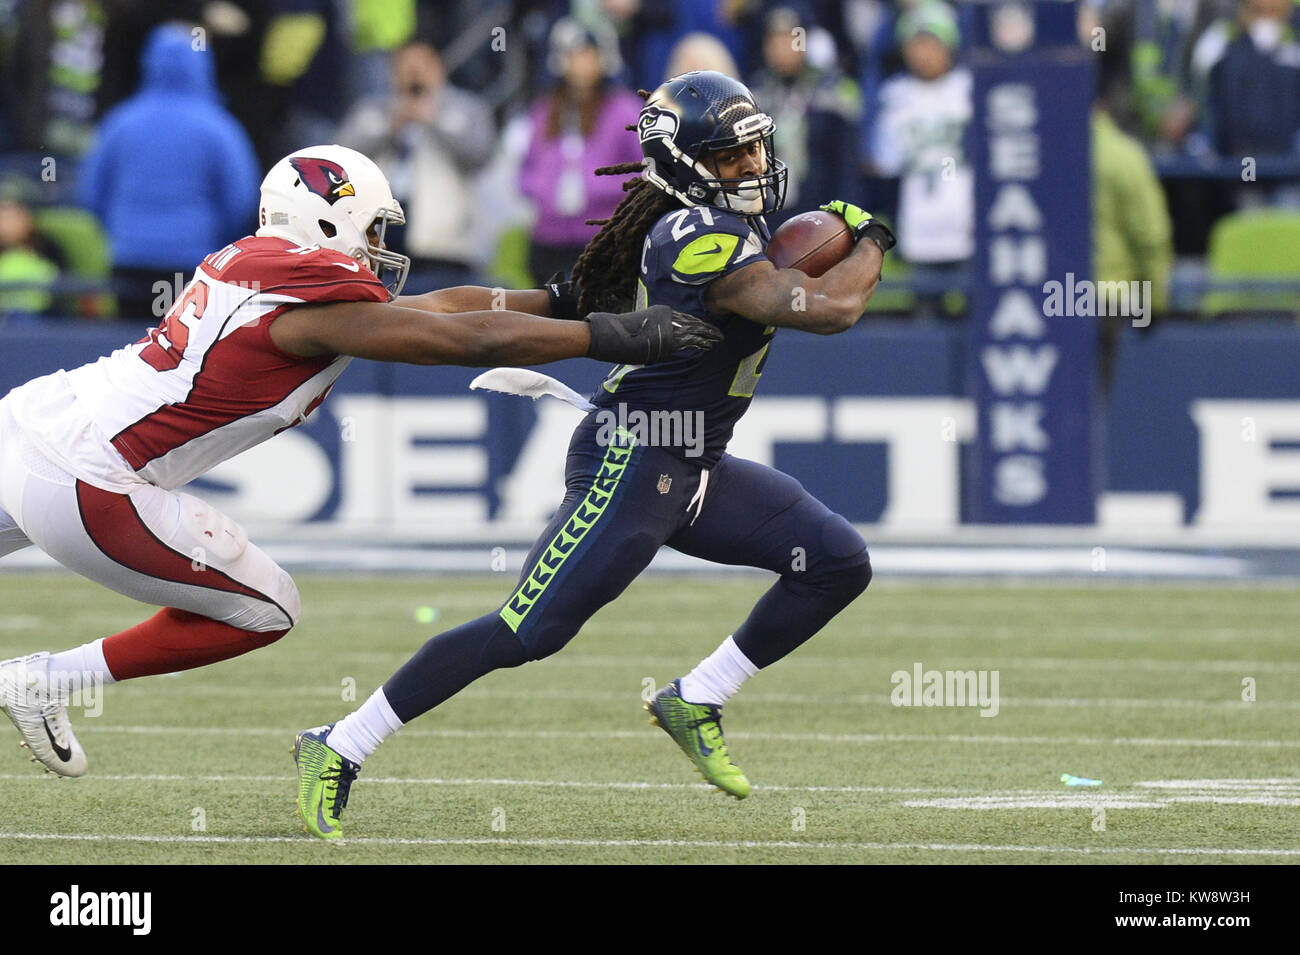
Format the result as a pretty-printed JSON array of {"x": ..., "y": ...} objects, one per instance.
[{"x": 811, "y": 242}]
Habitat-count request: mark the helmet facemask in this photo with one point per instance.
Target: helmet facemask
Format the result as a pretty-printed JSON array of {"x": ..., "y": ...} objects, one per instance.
[
  {"x": 750, "y": 196},
  {"x": 391, "y": 268}
]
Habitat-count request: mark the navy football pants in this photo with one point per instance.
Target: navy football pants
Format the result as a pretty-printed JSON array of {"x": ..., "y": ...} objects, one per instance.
[{"x": 623, "y": 503}]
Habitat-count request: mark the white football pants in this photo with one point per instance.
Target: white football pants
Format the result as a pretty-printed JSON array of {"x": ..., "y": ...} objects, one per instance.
[{"x": 160, "y": 547}]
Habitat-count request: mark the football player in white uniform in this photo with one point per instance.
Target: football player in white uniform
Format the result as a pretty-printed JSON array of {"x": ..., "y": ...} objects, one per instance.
[{"x": 90, "y": 458}]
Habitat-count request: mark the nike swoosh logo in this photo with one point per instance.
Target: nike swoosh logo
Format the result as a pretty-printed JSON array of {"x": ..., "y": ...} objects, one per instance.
[
  {"x": 717, "y": 248},
  {"x": 63, "y": 752},
  {"x": 350, "y": 266},
  {"x": 322, "y": 821},
  {"x": 705, "y": 749}
]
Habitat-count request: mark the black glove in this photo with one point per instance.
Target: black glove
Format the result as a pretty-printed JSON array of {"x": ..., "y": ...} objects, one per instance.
[
  {"x": 879, "y": 233},
  {"x": 563, "y": 296},
  {"x": 647, "y": 336}
]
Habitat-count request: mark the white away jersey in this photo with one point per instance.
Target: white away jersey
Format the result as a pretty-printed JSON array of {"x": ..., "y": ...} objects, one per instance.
[{"x": 206, "y": 384}]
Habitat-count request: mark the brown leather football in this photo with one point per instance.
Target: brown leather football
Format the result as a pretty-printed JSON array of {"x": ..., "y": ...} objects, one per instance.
[{"x": 811, "y": 242}]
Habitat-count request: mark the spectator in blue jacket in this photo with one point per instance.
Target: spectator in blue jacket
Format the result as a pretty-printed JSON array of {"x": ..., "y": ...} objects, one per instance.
[{"x": 172, "y": 175}]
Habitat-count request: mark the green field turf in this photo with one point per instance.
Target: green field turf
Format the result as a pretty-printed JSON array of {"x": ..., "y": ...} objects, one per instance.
[{"x": 1131, "y": 685}]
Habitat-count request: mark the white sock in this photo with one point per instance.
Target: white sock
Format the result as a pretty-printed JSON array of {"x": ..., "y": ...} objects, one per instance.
[
  {"x": 79, "y": 667},
  {"x": 718, "y": 676},
  {"x": 359, "y": 733}
]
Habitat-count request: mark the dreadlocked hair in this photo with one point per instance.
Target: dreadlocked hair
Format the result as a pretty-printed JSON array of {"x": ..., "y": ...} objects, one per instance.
[{"x": 606, "y": 271}]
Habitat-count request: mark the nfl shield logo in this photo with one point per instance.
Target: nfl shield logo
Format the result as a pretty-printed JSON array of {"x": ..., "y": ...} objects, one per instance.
[{"x": 665, "y": 482}]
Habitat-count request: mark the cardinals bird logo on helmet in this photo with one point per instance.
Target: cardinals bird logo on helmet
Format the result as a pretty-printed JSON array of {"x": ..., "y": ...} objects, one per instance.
[{"x": 326, "y": 179}]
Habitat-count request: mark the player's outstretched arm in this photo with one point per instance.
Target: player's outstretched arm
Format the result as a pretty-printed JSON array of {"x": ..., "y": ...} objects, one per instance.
[
  {"x": 387, "y": 332},
  {"x": 556, "y": 299},
  {"x": 476, "y": 298}
]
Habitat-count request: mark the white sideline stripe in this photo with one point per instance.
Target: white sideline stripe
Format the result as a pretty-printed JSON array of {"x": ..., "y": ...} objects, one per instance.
[
  {"x": 1033, "y": 802},
  {"x": 647, "y": 844},
  {"x": 1156, "y": 794},
  {"x": 298, "y": 554},
  {"x": 540, "y": 783},
  {"x": 993, "y": 661},
  {"x": 778, "y": 699},
  {"x": 1273, "y": 783},
  {"x": 809, "y": 661},
  {"x": 796, "y": 737},
  {"x": 1220, "y": 792},
  {"x": 1244, "y": 791},
  {"x": 1091, "y": 802},
  {"x": 1158, "y": 666},
  {"x": 1236, "y": 800}
]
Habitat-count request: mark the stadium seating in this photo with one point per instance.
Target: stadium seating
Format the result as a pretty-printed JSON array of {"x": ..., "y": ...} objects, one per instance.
[
  {"x": 1261, "y": 244},
  {"x": 85, "y": 250}
]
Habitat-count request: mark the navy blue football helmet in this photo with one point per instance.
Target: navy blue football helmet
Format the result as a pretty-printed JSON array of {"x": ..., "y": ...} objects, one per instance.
[{"x": 700, "y": 111}]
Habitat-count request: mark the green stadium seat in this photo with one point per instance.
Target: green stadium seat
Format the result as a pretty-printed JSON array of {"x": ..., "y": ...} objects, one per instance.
[
  {"x": 24, "y": 266},
  {"x": 1259, "y": 244},
  {"x": 78, "y": 235}
]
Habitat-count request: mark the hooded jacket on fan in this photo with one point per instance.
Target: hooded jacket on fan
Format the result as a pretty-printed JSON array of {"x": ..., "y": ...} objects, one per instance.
[{"x": 172, "y": 175}]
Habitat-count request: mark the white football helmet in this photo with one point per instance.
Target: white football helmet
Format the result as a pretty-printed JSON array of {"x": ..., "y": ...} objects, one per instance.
[{"x": 336, "y": 198}]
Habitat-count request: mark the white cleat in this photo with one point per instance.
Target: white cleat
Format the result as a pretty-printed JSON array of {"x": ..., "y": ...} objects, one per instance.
[{"x": 40, "y": 714}]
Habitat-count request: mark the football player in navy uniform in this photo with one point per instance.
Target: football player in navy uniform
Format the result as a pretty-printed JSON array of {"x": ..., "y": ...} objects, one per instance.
[{"x": 689, "y": 234}]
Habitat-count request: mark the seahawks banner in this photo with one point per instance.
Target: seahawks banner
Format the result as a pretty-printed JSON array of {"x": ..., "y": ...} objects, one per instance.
[{"x": 1031, "y": 355}]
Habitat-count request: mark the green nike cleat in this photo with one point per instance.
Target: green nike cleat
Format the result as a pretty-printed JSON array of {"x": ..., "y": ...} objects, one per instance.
[
  {"x": 697, "y": 729},
  {"x": 324, "y": 780}
]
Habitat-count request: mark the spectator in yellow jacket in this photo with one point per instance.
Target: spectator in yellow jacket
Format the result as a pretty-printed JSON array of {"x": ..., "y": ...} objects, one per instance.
[{"x": 1132, "y": 235}]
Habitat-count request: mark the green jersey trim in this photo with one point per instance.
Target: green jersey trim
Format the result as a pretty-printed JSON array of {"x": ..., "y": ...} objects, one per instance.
[{"x": 584, "y": 518}]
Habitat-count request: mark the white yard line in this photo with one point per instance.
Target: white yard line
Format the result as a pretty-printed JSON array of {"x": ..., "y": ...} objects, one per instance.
[
  {"x": 288, "y": 777},
  {"x": 648, "y": 665},
  {"x": 988, "y": 661},
  {"x": 87, "y": 726},
  {"x": 1243, "y": 791},
  {"x": 647, "y": 844},
  {"x": 1055, "y": 801},
  {"x": 1156, "y": 794},
  {"x": 1083, "y": 802},
  {"x": 780, "y": 699},
  {"x": 1277, "y": 782}
]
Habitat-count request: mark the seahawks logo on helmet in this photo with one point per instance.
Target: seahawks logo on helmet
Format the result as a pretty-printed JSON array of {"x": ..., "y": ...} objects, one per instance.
[
  {"x": 323, "y": 177},
  {"x": 656, "y": 122}
]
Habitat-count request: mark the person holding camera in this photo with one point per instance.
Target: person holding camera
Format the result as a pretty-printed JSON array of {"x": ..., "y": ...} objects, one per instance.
[{"x": 433, "y": 138}]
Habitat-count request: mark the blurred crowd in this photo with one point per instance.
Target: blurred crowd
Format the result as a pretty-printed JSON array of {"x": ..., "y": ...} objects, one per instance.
[{"x": 133, "y": 135}]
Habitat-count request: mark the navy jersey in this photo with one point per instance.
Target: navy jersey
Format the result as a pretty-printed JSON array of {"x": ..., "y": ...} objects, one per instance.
[{"x": 685, "y": 251}]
